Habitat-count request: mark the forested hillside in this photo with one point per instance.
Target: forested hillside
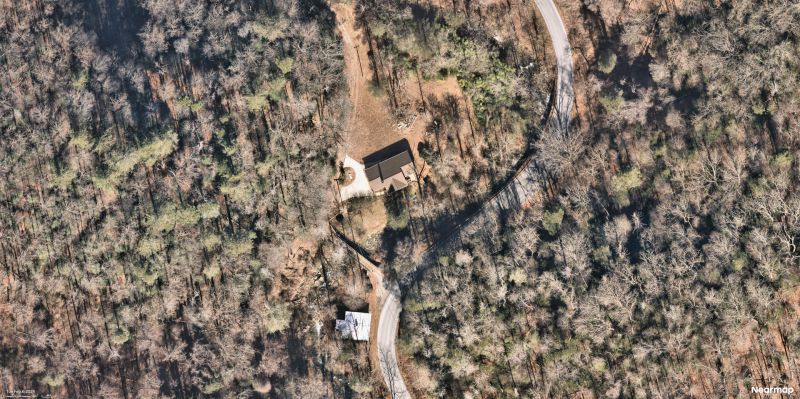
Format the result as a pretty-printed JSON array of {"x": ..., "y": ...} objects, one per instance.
[
  {"x": 160, "y": 160},
  {"x": 167, "y": 181},
  {"x": 662, "y": 259}
]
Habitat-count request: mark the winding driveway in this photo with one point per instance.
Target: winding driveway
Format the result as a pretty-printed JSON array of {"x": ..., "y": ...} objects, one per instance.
[{"x": 519, "y": 190}]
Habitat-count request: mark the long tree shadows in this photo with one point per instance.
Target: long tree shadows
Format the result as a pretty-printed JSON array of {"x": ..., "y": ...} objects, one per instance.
[
  {"x": 298, "y": 355},
  {"x": 448, "y": 118},
  {"x": 400, "y": 227},
  {"x": 317, "y": 11},
  {"x": 117, "y": 24}
]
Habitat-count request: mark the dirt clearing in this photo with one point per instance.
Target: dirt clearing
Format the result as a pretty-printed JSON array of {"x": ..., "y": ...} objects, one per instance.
[
  {"x": 370, "y": 125},
  {"x": 368, "y": 216}
]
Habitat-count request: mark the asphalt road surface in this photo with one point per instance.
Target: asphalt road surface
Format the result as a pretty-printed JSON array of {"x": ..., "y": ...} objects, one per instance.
[
  {"x": 387, "y": 350},
  {"x": 565, "y": 93}
]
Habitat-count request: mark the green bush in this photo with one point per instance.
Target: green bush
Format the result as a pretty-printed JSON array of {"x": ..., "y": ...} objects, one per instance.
[
  {"x": 518, "y": 276},
  {"x": 210, "y": 241},
  {"x": 212, "y": 388},
  {"x": 612, "y": 102},
  {"x": 120, "y": 336},
  {"x": 209, "y": 210},
  {"x": 173, "y": 217},
  {"x": 148, "y": 246},
  {"x": 782, "y": 160},
  {"x": 607, "y": 61},
  {"x": 64, "y": 180},
  {"x": 398, "y": 221},
  {"x": 285, "y": 65},
  {"x": 53, "y": 381},
  {"x": 552, "y": 220},
  {"x": 623, "y": 182},
  {"x": 236, "y": 248}
]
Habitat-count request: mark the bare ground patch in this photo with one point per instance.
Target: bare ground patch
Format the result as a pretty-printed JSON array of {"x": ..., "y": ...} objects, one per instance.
[
  {"x": 368, "y": 216},
  {"x": 370, "y": 126}
]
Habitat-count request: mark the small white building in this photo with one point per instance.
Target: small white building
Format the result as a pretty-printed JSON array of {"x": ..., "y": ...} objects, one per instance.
[{"x": 355, "y": 326}]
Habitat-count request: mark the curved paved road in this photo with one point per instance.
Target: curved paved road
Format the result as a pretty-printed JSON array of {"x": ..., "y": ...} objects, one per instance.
[
  {"x": 565, "y": 93},
  {"x": 521, "y": 188},
  {"x": 387, "y": 349}
]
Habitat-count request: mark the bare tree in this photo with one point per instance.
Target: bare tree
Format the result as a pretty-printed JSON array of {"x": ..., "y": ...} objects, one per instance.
[{"x": 391, "y": 373}]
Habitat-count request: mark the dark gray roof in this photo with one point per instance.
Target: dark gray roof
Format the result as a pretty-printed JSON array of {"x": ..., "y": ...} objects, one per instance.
[
  {"x": 393, "y": 165},
  {"x": 389, "y": 166}
]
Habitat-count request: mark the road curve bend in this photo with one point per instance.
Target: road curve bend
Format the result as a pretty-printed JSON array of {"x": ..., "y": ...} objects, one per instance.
[
  {"x": 565, "y": 92},
  {"x": 512, "y": 195}
]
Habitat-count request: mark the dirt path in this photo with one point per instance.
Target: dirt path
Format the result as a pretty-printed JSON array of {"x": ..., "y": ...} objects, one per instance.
[{"x": 370, "y": 126}]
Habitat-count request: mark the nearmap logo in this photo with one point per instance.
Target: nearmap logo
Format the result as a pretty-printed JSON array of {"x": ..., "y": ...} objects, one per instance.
[{"x": 770, "y": 390}]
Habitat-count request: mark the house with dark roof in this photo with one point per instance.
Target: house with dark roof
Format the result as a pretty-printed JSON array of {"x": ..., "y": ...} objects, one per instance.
[{"x": 393, "y": 171}]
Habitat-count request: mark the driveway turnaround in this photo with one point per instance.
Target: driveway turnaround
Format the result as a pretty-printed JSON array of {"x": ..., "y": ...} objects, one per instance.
[{"x": 359, "y": 187}]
